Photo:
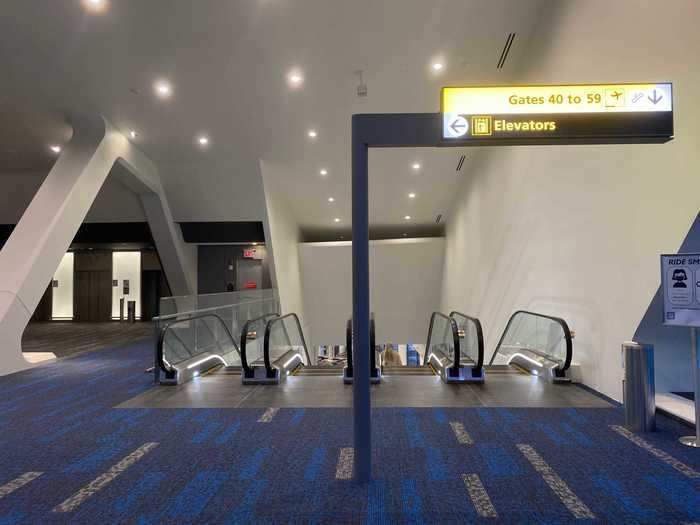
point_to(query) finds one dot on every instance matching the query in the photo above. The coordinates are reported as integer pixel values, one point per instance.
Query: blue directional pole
(362, 424)
(381, 130)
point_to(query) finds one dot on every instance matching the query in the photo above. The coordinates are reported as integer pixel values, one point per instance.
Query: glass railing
(251, 303)
(442, 348)
(285, 346)
(471, 340)
(539, 340)
(252, 343)
(372, 344)
(191, 344)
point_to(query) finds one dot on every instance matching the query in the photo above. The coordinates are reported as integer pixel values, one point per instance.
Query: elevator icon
(482, 126)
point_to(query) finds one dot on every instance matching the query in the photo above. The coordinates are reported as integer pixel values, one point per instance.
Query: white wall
(576, 231)
(282, 237)
(126, 265)
(405, 279)
(62, 295)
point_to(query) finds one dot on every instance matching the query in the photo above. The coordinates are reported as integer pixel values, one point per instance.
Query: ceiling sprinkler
(361, 86)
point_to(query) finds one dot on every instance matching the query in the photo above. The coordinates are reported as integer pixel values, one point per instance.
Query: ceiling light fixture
(295, 79)
(437, 66)
(133, 134)
(95, 6)
(55, 149)
(331, 199)
(411, 195)
(163, 89)
(337, 219)
(203, 140)
(312, 133)
(416, 166)
(407, 218)
(323, 172)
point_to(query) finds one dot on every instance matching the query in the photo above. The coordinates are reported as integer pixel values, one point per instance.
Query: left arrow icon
(458, 126)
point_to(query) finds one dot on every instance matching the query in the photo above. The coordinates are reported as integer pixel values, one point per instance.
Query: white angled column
(44, 233)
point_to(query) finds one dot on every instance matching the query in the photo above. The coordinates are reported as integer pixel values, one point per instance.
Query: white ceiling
(228, 62)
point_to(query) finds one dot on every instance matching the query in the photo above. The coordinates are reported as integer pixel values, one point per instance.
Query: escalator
(455, 348)
(193, 344)
(348, 373)
(280, 353)
(535, 344)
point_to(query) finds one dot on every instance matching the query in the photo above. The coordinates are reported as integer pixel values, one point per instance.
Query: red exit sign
(249, 253)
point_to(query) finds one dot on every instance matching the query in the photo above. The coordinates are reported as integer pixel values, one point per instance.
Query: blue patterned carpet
(69, 457)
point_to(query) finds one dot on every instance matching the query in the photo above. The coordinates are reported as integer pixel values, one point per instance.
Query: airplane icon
(614, 97)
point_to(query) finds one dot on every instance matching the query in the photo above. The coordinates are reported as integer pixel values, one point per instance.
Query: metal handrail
(244, 337)
(455, 339)
(161, 339)
(558, 320)
(268, 328)
(479, 338)
(204, 310)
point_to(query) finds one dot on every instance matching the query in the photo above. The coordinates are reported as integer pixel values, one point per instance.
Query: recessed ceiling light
(337, 219)
(437, 66)
(416, 166)
(95, 6)
(255, 244)
(312, 133)
(323, 172)
(55, 149)
(203, 140)
(407, 218)
(295, 79)
(411, 195)
(133, 134)
(331, 199)
(163, 88)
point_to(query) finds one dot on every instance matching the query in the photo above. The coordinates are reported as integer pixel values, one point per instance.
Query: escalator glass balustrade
(537, 343)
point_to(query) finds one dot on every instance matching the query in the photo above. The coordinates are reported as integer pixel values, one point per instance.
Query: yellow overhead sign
(595, 113)
(594, 98)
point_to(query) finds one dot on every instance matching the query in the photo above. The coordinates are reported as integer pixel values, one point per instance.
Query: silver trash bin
(638, 387)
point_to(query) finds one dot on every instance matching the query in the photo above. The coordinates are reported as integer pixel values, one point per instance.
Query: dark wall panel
(217, 266)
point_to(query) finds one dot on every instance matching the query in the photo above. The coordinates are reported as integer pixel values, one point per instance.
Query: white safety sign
(680, 282)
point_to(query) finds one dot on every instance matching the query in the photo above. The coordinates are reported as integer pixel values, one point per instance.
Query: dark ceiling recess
(460, 163)
(506, 50)
(223, 232)
(101, 233)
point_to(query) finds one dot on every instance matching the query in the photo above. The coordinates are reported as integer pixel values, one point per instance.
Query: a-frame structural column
(44, 233)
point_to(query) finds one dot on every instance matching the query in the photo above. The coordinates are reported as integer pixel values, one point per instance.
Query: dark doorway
(44, 308)
(249, 273)
(152, 289)
(93, 286)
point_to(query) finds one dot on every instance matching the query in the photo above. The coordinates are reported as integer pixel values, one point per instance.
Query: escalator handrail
(479, 338)
(268, 329)
(559, 320)
(244, 337)
(161, 338)
(372, 344)
(455, 340)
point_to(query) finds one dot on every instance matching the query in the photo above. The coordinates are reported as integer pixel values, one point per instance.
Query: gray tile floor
(65, 338)
(222, 390)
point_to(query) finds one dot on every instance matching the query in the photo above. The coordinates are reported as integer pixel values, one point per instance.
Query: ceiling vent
(460, 163)
(438, 218)
(506, 50)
